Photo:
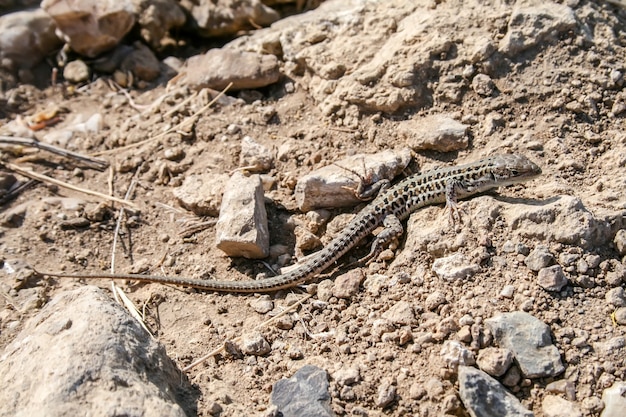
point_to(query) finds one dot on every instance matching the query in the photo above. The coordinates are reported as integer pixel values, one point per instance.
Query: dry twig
(94, 163)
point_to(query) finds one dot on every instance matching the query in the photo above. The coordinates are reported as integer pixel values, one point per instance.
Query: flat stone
(217, 68)
(530, 342)
(483, 396)
(242, 228)
(335, 185)
(304, 394)
(83, 354)
(438, 132)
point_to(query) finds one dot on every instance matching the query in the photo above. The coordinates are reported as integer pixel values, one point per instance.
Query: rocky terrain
(519, 309)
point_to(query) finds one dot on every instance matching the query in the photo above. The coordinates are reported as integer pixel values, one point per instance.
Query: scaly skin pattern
(441, 185)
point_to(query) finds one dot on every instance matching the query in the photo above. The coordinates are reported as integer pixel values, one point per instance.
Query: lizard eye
(514, 172)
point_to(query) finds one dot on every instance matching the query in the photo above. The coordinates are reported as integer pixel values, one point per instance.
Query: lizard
(392, 205)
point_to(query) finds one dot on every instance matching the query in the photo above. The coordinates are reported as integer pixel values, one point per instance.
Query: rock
(323, 49)
(563, 386)
(610, 347)
(142, 62)
(530, 342)
(555, 406)
(348, 284)
(27, 37)
(336, 185)
(620, 241)
(386, 393)
(454, 267)
(616, 297)
(304, 394)
(156, 18)
(102, 363)
(242, 228)
(483, 85)
(347, 376)
(536, 24)
(614, 399)
(564, 219)
(202, 193)
(217, 68)
(75, 223)
(76, 71)
(438, 132)
(255, 344)
(380, 327)
(512, 377)
(539, 258)
(91, 27)
(227, 17)
(14, 216)
(262, 304)
(454, 354)
(255, 157)
(401, 314)
(483, 396)
(494, 361)
(552, 278)
(434, 300)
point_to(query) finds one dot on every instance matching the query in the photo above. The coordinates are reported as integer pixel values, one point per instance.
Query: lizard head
(512, 169)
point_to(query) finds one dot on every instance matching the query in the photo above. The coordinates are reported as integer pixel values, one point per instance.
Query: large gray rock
(483, 396)
(530, 341)
(83, 354)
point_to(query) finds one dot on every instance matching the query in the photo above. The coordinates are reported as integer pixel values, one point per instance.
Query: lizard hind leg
(393, 230)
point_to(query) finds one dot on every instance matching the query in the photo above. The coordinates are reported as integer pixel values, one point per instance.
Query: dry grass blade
(34, 175)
